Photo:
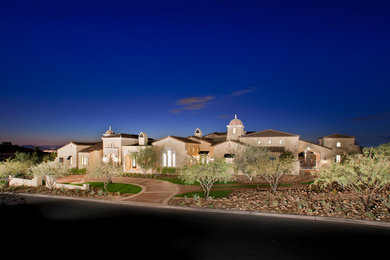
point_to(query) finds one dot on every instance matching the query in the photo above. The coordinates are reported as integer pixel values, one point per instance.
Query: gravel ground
(300, 201)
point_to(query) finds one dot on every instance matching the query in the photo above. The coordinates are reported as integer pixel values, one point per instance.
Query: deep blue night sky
(69, 69)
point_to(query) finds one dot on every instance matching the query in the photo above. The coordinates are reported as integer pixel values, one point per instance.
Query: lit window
(280, 142)
(234, 130)
(133, 163)
(269, 141)
(169, 158)
(338, 144)
(259, 142)
(165, 159)
(338, 158)
(84, 161)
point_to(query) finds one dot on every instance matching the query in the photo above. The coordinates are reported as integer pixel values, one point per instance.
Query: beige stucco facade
(177, 151)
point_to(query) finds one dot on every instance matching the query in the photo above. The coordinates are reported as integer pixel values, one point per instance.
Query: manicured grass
(214, 193)
(307, 183)
(179, 181)
(115, 187)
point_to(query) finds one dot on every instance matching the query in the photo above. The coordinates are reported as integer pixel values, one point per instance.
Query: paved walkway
(153, 191)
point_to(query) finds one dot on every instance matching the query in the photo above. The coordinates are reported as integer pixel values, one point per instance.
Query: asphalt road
(56, 227)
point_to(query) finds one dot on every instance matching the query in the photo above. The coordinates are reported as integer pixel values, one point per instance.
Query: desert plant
(12, 168)
(246, 158)
(147, 157)
(363, 174)
(207, 174)
(105, 171)
(272, 168)
(51, 170)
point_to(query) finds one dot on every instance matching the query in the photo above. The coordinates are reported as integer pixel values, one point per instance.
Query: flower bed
(300, 201)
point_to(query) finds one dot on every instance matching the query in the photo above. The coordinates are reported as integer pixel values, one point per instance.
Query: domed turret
(235, 129)
(236, 121)
(109, 132)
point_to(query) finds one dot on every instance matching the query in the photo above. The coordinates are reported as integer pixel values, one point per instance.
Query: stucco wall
(347, 145)
(225, 148)
(289, 143)
(177, 146)
(70, 149)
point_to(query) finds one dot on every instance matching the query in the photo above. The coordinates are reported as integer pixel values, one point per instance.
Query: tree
(105, 171)
(207, 174)
(245, 159)
(50, 171)
(27, 157)
(272, 168)
(12, 168)
(147, 158)
(363, 174)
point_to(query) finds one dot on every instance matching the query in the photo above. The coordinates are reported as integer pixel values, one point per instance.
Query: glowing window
(338, 144)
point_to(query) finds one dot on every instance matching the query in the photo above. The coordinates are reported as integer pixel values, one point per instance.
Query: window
(169, 159)
(164, 159)
(133, 163)
(234, 130)
(280, 142)
(338, 144)
(269, 142)
(84, 161)
(61, 159)
(259, 142)
(338, 158)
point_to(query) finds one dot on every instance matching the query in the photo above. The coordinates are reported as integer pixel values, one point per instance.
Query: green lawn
(179, 181)
(214, 193)
(115, 187)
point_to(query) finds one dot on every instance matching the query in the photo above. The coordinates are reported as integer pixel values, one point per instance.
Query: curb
(219, 211)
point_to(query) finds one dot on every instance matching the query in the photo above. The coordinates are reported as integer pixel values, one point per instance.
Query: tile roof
(179, 138)
(208, 140)
(270, 133)
(96, 147)
(184, 139)
(338, 136)
(85, 143)
(122, 135)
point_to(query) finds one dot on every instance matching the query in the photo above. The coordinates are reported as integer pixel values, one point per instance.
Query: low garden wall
(35, 182)
(50, 183)
(71, 186)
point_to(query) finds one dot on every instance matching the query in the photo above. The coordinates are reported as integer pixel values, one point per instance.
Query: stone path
(153, 191)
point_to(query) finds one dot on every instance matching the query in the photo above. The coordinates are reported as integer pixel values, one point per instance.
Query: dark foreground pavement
(52, 227)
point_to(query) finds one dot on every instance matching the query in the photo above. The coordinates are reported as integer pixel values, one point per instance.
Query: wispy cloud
(379, 116)
(191, 103)
(242, 92)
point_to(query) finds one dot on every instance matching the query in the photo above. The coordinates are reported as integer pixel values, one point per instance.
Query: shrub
(78, 171)
(168, 170)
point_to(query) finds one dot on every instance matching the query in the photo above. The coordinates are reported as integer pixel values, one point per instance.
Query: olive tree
(105, 171)
(272, 167)
(147, 158)
(246, 158)
(12, 168)
(363, 174)
(207, 174)
(50, 171)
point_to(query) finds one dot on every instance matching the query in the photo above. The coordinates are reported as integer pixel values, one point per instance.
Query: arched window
(169, 158)
(164, 159)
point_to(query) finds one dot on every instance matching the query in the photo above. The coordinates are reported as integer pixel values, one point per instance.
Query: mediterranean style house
(176, 151)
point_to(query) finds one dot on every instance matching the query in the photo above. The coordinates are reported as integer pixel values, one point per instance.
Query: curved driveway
(153, 191)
